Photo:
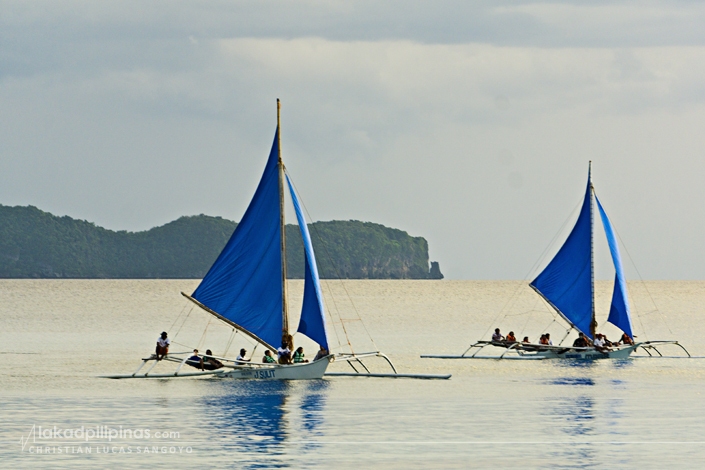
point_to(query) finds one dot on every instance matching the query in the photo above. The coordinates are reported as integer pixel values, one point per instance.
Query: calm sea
(57, 336)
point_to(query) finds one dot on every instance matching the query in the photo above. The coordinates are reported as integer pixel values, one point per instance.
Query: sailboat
(246, 288)
(567, 285)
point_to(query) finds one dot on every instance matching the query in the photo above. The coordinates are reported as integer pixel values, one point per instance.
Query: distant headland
(37, 244)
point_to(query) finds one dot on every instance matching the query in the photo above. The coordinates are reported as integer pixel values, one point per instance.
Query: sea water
(56, 336)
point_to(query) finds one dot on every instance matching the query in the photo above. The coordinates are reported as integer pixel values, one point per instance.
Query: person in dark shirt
(211, 363)
(626, 339)
(195, 360)
(323, 352)
(580, 341)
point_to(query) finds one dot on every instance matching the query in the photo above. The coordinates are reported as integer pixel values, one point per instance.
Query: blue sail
(619, 310)
(313, 319)
(244, 283)
(567, 280)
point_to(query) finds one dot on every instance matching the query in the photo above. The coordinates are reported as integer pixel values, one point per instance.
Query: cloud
(470, 124)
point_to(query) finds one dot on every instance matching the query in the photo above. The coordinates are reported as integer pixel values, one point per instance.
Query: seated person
(299, 356)
(241, 357)
(525, 340)
(543, 340)
(211, 363)
(580, 341)
(323, 352)
(511, 338)
(497, 336)
(600, 343)
(625, 339)
(268, 359)
(284, 353)
(195, 360)
(548, 339)
(162, 346)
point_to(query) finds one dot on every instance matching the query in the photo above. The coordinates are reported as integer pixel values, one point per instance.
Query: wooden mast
(593, 322)
(282, 221)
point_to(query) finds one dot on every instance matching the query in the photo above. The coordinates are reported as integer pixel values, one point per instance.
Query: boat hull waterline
(560, 352)
(305, 371)
(553, 353)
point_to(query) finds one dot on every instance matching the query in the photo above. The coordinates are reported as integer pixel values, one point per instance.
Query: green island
(37, 244)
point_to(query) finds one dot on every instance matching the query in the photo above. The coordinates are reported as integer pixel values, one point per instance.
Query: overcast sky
(468, 123)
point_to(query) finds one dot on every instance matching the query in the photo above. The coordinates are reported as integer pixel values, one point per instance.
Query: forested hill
(36, 244)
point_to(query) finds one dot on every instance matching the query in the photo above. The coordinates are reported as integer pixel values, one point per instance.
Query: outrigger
(529, 351)
(246, 288)
(233, 369)
(567, 285)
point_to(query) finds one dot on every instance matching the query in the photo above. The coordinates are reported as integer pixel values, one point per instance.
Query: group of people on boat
(285, 355)
(601, 343)
(208, 362)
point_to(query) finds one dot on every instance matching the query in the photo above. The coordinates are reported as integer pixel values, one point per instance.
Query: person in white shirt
(497, 336)
(162, 346)
(599, 343)
(241, 357)
(284, 354)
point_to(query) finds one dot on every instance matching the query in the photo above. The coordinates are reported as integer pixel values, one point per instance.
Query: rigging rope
(641, 279)
(335, 330)
(337, 273)
(230, 341)
(203, 337)
(183, 309)
(184, 322)
(500, 317)
(330, 292)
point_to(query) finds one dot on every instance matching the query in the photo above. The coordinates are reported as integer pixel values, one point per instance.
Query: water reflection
(266, 418)
(576, 364)
(586, 407)
(572, 381)
(573, 412)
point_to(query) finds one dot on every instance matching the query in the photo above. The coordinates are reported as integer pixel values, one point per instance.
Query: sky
(468, 123)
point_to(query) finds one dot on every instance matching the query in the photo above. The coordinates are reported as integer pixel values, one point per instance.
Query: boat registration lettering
(264, 374)
(586, 356)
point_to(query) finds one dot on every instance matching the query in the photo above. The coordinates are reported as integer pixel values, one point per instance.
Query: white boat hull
(553, 352)
(306, 371)
(590, 354)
